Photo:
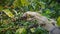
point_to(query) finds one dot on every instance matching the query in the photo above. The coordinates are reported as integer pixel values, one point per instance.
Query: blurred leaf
(1, 8)
(32, 30)
(48, 11)
(42, 5)
(21, 31)
(7, 11)
(58, 21)
(40, 30)
(24, 2)
(8, 32)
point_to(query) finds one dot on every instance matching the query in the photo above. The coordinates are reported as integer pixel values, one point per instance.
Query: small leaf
(21, 31)
(1, 7)
(24, 2)
(48, 11)
(58, 21)
(32, 29)
(7, 12)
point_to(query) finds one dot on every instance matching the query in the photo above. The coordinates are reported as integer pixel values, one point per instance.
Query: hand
(42, 20)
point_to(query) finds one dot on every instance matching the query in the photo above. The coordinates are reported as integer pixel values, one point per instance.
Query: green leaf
(1, 8)
(32, 29)
(21, 31)
(24, 2)
(58, 21)
(7, 12)
(8, 32)
(48, 11)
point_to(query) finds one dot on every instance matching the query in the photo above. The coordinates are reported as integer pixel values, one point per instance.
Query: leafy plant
(14, 9)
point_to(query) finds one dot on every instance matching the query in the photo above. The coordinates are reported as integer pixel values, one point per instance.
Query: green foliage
(58, 21)
(8, 13)
(6, 2)
(21, 31)
(16, 8)
(1, 7)
(40, 30)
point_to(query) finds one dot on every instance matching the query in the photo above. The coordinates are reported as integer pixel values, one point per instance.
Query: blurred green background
(14, 9)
